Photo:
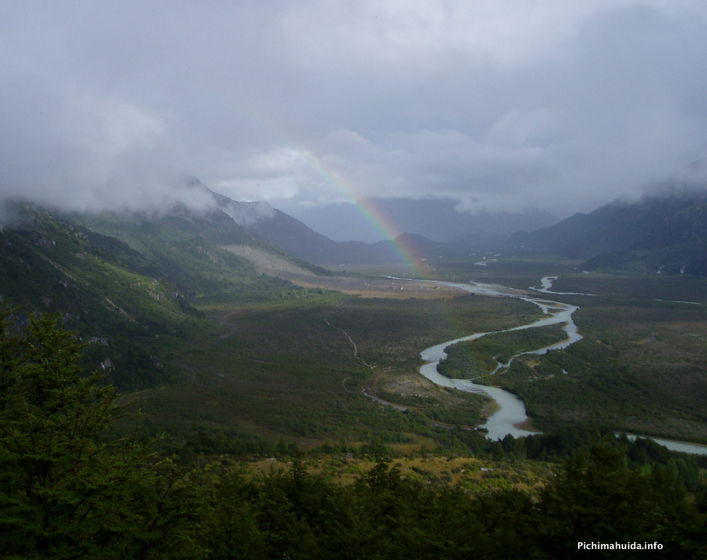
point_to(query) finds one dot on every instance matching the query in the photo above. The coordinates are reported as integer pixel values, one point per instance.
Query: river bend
(511, 415)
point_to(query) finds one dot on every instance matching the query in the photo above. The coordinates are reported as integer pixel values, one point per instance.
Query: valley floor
(322, 365)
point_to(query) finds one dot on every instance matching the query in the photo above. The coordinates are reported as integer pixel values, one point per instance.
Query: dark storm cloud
(497, 105)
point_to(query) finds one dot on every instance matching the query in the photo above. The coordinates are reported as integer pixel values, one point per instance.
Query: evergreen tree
(63, 492)
(597, 498)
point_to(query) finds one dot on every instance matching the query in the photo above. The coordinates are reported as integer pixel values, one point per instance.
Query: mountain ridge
(126, 280)
(662, 232)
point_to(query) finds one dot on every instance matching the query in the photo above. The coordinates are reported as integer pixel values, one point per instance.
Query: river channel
(511, 415)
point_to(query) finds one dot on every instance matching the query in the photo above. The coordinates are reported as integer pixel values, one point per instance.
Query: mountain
(258, 224)
(293, 236)
(435, 218)
(296, 238)
(126, 282)
(231, 222)
(663, 233)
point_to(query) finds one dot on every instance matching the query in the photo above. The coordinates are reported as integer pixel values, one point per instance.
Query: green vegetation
(448, 406)
(288, 367)
(178, 250)
(68, 492)
(238, 373)
(213, 345)
(134, 302)
(478, 358)
(65, 493)
(598, 389)
(641, 366)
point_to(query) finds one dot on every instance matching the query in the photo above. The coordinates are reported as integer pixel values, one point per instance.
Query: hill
(294, 237)
(126, 282)
(664, 233)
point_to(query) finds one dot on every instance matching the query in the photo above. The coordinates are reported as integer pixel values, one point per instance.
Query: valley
(291, 368)
(610, 379)
(210, 330)
(353, 280)
(254, 371)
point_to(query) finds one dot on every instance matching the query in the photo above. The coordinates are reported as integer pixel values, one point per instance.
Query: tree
(63, 492)
(597, 498)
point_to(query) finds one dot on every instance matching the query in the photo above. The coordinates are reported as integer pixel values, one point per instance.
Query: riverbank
(511, 415)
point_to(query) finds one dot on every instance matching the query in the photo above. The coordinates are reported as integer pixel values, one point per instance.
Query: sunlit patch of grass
(470, 473)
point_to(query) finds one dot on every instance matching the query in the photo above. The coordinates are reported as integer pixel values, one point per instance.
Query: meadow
(642, 365)
(305, 366)
(290, 368)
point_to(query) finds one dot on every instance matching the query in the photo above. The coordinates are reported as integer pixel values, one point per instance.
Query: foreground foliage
(65, 493)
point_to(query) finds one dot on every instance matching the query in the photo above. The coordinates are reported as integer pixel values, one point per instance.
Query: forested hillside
(68, 492)
(126, 282)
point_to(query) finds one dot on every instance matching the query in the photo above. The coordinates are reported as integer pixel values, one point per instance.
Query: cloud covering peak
(498, 106)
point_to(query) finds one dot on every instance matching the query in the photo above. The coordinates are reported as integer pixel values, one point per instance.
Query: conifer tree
(63, 492)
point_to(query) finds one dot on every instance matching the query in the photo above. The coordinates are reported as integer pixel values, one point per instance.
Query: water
(546, 288)
(511, 412)
(511, 409)
(673, 445)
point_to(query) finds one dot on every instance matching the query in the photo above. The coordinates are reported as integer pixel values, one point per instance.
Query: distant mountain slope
(257, 224)
(435, 218)
(49, 265)
(666, 233)
(125, 281)
(296, 238)
(293, 236)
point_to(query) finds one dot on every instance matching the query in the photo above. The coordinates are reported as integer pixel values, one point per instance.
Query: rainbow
(365, 207)
(379, 221)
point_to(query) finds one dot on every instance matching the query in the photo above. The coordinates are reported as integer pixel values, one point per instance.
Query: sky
(496, 105)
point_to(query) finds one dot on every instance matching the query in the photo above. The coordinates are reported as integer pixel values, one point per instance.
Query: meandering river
(511, 415)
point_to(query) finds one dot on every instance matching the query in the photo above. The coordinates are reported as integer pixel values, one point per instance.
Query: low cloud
(496, 106)
(248, 214)
(75, 150)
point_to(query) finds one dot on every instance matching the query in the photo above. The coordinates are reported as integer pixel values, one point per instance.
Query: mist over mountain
(496, 108)
(437, 219)
(282, 230)
(664, 232)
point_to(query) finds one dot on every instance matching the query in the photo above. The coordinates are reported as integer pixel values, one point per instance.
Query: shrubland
(70, 491)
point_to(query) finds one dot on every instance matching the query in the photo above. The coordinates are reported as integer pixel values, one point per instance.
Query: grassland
(480, 357)
(291, 368)
(642, 365)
